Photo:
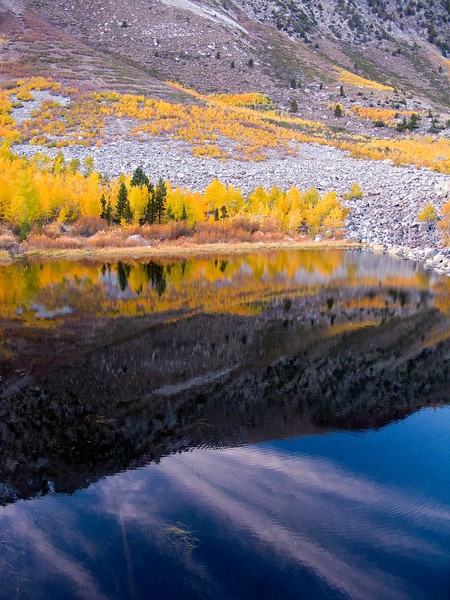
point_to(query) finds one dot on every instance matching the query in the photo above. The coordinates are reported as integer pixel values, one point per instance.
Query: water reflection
(274, 359)
(143, 371)
(259, 521)
(216, 285)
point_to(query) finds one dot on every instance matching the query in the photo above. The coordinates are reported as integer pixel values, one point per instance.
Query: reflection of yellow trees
(441, 291)
(216, 285)
(227, 284)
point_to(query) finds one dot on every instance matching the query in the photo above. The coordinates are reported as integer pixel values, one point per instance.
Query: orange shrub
(107, 239)
(42, 242)
(87, 226)
(172, 230)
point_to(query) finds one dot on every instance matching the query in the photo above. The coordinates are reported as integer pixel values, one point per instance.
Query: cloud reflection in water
(299, 512)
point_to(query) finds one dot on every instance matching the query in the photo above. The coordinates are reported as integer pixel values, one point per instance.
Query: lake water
(266, 426)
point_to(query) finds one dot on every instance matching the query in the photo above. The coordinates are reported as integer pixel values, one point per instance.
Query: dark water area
(273, 425)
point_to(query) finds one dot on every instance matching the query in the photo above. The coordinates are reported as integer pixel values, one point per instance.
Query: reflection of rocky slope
(301, 365)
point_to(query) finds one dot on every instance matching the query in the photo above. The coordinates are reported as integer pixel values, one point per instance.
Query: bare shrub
(207, 237)
(269, 225)
(4, 230)
(6, 241)
(239, 234)
(271, 236)
(133, 229)
(53, 230)
(210, 232)
(245, 224)
(238, 230)
(42, 242)
(172, 230)
(89, 225)
(107, 239)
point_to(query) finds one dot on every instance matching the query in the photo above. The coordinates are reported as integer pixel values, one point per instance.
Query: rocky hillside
(358, 22)
(287, 49)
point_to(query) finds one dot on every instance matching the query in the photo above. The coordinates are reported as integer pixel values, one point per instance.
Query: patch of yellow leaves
(361, 82)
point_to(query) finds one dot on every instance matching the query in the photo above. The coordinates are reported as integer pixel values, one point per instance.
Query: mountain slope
(264, 45)
(293, 51)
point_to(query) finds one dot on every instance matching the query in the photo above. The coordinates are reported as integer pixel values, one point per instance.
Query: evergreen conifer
(139, 178)
(123, 208)
(160, 196)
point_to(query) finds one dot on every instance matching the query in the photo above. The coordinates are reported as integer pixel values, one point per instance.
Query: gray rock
(137, 240)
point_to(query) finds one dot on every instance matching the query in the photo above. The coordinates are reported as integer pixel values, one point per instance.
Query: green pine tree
(103, 205)
(183, 213)
(139, 178)
(160, 199)
(108, 212)
(123, 208)
(127, 214)
(150, 209)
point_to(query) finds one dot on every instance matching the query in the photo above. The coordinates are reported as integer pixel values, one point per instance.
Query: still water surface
(263, 426)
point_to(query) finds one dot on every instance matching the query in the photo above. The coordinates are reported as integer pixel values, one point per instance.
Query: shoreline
(429, 258)
(174, 250)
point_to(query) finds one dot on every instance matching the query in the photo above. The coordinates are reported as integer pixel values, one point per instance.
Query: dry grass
(182, 249)
(6, 241)
(168, 231)
(39, 241)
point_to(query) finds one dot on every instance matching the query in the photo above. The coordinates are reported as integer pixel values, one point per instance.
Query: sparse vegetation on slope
(215, 127)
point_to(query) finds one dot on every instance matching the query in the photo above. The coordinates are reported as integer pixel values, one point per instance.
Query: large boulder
(137, 240)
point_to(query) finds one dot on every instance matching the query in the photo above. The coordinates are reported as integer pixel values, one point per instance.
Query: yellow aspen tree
(138, 198)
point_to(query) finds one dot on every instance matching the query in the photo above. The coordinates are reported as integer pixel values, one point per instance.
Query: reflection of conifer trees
(155, 275)
(123, 272)
(106, 269)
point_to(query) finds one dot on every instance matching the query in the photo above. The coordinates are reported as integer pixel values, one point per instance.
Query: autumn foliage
(220, 126)
(38, 192)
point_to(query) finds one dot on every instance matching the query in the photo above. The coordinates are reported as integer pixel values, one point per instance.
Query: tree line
(155, 205)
